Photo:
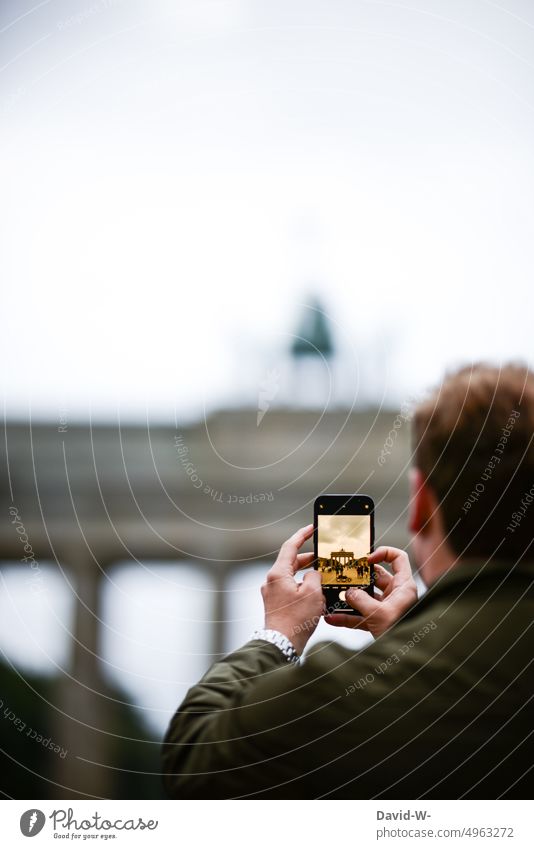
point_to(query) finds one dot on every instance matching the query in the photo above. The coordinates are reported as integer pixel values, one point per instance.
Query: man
(440, 704)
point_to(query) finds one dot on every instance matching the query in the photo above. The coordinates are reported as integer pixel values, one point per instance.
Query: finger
(286, 562)
(383, 579)
(305, 560)
(290, 547)
(346, 620)
(312, 580)
(398, 558)
(384, 553)
(362, 601)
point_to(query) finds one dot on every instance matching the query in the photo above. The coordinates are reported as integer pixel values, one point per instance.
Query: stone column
(220, 610)
(81, 706)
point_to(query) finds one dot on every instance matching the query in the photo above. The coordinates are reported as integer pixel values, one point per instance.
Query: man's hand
(291, 608)
(399, 592)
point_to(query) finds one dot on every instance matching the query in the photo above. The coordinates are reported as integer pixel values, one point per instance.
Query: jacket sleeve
(256, 725)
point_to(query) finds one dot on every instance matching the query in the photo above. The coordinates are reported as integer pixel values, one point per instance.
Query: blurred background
(239, 240)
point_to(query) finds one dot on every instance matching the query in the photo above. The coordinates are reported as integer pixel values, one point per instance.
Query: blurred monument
(221, 493)
(312, 351)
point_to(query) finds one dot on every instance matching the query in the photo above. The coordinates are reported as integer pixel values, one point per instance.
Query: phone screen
(343, 543)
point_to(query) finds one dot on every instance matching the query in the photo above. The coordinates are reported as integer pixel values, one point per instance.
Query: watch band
(279, 640)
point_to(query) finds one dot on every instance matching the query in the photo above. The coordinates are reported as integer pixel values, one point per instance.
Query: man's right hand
(399, 592)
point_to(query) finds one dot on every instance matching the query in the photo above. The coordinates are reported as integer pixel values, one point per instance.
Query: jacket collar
(470, 571)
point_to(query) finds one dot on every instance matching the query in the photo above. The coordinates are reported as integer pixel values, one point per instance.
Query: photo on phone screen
(343, 537)
(343, 543)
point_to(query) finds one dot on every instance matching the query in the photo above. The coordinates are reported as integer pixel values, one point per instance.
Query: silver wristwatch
(279, 640)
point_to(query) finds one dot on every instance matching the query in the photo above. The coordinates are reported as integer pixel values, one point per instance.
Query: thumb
(312, 579)
(361, 601)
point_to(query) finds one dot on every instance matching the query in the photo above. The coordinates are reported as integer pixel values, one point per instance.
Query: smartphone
(344, 534)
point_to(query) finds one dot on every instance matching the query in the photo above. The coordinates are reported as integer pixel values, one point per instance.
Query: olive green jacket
(438, 707)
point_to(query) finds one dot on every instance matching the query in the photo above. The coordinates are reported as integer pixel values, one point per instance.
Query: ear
(422, 503)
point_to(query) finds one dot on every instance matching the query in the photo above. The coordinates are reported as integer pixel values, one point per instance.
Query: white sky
(176, 177)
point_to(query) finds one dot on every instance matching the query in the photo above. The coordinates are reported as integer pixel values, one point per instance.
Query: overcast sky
(176, 177)
(348, 532)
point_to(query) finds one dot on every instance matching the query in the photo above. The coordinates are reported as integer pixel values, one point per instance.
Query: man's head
(473, 447)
